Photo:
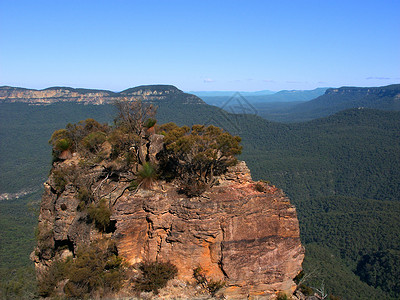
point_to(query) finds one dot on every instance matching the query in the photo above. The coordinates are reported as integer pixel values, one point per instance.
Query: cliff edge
(240, 233)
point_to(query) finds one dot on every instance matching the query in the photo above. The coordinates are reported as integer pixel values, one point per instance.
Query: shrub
(200, 152)
(192, 188)
(100, 214)
(282, 296)
(93, 141)
(133, 114)
(63, 144)
(306, 290)
(96, 268)
(85, 196)
(72, 137)
(130, 158)
(147, 175)
(155, 275)
(58, 135)
(260, 187)
(63, 175)
(212, 286)
(60, 180)
(48, 280)
(150, 123)
(45, 240)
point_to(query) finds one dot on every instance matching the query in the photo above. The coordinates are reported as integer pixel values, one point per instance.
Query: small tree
(134, 114)
(134, 117)
(100, 214)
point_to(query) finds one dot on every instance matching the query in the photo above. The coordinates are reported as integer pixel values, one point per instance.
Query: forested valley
(342, 173)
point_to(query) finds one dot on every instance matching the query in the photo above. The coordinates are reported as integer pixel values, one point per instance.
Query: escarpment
(151, 93)
(241, 234)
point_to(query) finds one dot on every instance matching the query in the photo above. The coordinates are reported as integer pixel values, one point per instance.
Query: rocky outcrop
(242, 232)
(234, 232)
(152, 93)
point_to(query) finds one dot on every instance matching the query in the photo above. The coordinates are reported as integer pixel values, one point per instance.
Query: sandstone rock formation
(240, 231)
(152, 93)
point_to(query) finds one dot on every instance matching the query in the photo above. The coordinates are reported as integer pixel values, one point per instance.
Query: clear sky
(199, 45)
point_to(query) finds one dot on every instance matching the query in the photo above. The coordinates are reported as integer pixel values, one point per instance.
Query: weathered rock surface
(235, 232)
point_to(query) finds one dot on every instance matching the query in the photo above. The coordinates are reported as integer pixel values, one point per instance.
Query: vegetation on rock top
(189, 156)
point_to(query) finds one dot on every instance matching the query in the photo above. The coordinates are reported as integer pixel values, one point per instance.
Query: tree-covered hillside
(335, 100)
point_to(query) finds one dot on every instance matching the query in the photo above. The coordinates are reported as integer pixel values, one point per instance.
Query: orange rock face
(234, 233)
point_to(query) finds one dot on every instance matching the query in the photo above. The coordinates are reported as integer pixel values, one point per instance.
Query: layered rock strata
(242, 232)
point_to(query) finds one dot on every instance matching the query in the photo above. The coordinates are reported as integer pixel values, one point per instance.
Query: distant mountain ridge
(92, 96)
(262, 99)
(338, 99)
(284, 106)
(230, 93)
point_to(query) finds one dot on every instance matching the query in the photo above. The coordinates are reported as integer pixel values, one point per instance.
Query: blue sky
(199, 45)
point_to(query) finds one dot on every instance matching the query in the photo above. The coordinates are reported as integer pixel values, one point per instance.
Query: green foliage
(197, 154)
(282, 296)
(95, 269)
(48, 280)
(122, 140)
(155, 276)
(85, 196)
(352, 227)
(85, 135)
(59, 135)
(18, 283)
(63, 144)
(150, 123)
(381, 269)
(93, 141)
(322, 265)
(18, 219)
(63, 175)
(299, 277)
(147, 175)
(100, 214)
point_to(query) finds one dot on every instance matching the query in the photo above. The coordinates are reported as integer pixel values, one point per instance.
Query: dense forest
(342, 173)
